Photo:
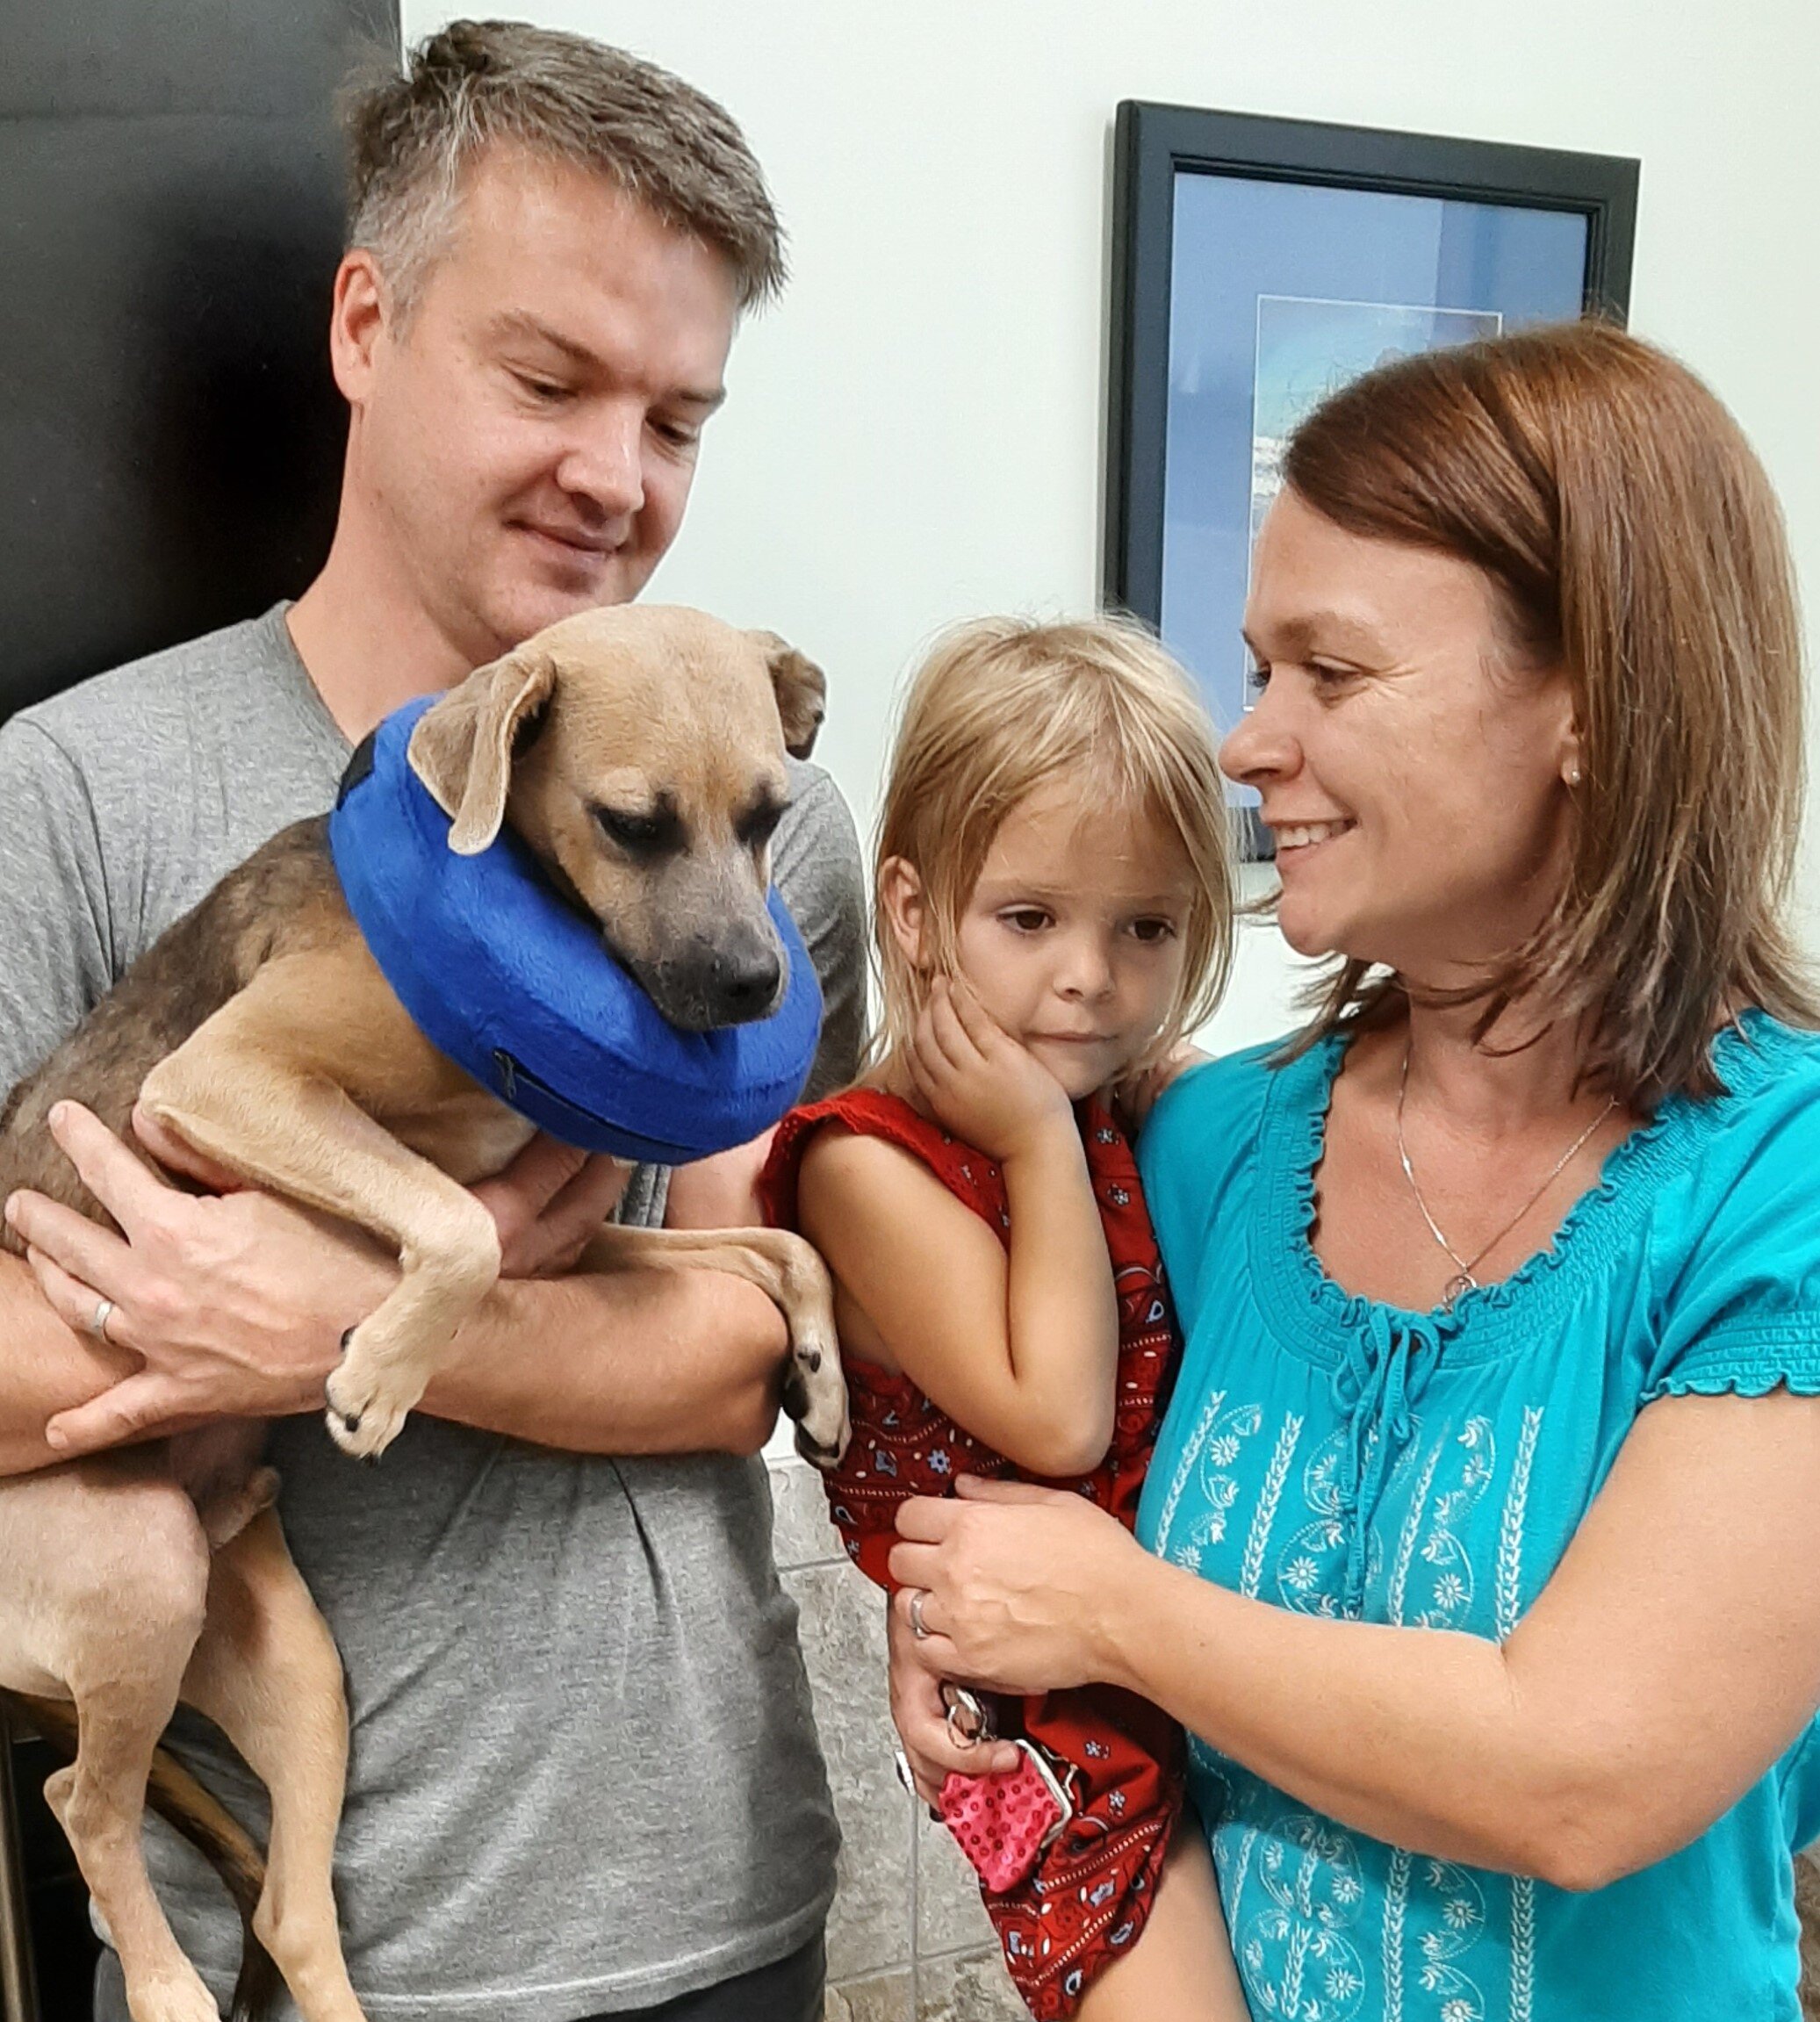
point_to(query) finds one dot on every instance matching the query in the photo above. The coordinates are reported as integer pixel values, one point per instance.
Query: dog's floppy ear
(462, 747)
(797, 683)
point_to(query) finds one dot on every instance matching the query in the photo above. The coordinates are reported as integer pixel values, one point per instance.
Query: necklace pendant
(1460, 1282)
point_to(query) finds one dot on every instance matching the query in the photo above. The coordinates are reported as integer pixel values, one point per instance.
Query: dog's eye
(760, 823)
(641, 834)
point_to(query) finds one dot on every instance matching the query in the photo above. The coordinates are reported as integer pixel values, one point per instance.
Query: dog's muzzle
(734, 981)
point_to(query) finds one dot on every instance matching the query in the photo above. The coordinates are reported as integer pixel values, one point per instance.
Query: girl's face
(1072, 935)
(1415, 780)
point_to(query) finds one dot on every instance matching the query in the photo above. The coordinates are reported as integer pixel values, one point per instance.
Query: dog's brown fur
(285, 894)
(261, 1031)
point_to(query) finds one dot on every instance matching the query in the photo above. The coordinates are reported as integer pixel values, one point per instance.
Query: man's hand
(721, 1191)
(980, 1083)
(548, 1203)
(235, 1303)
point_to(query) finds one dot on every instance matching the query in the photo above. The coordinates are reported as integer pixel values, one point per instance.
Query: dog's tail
(187, 1808)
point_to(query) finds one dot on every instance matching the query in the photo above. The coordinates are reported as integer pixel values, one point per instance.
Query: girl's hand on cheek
(979, 1082)
(1020, 1582)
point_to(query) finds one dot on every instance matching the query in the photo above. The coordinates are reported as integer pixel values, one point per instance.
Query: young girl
(1053, 914)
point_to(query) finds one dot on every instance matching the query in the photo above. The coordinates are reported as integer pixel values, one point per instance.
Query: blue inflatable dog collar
(515, 986)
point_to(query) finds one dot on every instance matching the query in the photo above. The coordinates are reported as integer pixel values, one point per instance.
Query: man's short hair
(477, 84)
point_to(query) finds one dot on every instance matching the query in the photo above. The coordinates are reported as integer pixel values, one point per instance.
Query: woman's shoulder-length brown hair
(1638, 548)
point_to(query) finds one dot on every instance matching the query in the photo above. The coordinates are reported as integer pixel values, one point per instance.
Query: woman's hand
(921, 1716)
(1017, 1581)
(978, 1082)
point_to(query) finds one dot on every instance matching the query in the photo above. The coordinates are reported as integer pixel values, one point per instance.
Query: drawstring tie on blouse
(1384, 1370)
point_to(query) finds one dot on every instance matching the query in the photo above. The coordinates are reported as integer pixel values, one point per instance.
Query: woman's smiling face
(1412, 770)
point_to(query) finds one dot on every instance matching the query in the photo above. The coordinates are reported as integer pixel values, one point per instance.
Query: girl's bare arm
(1018, 1346)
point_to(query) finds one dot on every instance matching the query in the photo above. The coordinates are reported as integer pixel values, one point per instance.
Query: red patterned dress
(1090, 1893)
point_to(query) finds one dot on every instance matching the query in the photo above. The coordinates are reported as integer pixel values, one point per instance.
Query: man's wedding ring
(919, 1628)
(98, 1319)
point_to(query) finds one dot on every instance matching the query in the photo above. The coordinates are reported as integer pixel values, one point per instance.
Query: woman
(1485, 1518)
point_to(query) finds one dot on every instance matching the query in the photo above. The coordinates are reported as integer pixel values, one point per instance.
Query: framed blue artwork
(1258, 265)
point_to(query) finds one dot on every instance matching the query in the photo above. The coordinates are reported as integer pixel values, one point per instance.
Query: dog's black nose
(727, 979)
(748, 988)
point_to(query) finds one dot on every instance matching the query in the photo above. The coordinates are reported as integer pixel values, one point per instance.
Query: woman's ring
(919, 1628)
(98, 1319)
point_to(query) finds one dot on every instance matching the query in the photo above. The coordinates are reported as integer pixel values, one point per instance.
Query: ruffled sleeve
(1738, 1243)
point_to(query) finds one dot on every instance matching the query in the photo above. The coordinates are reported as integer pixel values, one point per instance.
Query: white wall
(914, 434)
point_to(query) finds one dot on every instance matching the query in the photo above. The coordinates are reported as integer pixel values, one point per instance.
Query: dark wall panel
(170, 216)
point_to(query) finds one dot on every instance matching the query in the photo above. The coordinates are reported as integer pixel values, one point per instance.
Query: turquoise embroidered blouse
(1331, 1455)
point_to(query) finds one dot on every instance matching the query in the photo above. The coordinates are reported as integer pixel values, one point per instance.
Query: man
(585, 1778)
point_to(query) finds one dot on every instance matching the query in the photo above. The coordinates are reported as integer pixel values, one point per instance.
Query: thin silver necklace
(1462, 1279)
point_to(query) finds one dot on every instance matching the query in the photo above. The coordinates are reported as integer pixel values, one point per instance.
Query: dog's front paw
(363, 1429)
(365, 1415)
(816, 1396)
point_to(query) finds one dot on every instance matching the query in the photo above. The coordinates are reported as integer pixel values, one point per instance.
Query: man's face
(523, 443)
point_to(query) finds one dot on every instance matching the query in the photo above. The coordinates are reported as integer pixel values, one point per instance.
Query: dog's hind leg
(791, 1273)
(106, 1587)
(266, 1672)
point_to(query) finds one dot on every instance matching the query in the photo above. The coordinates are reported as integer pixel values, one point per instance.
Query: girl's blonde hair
(1003, 706)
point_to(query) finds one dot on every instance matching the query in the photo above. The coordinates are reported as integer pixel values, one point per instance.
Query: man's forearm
(637, 1361)
(45, 1367)
(633, 1361)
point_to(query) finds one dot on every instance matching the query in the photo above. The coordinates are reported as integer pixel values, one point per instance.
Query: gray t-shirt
(585, 1774)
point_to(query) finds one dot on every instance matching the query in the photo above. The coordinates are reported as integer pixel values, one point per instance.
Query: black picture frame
(1154, 145)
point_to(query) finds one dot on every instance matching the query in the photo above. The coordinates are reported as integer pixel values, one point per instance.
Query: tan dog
(639, 754)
